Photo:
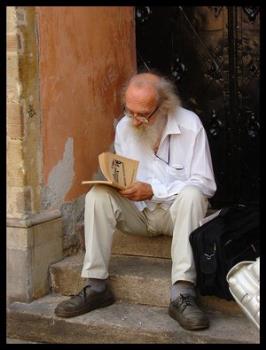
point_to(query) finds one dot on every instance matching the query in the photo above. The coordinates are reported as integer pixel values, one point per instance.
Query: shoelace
(81, 294)
(183, 301)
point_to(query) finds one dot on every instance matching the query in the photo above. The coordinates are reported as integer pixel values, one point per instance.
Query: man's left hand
(139, 191)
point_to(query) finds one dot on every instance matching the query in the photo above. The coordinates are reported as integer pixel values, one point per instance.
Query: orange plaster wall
(86, 53)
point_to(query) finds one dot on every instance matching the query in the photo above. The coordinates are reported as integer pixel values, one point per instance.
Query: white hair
(166, 89)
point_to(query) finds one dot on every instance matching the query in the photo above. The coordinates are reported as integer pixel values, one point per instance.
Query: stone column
(34, 236)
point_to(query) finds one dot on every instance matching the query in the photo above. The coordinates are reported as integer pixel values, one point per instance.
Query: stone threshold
(120, 323)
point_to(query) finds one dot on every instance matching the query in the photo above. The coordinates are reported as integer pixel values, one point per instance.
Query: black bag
(219, 244)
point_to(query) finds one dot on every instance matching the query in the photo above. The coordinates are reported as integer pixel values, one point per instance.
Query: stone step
(20, 341)
(141, 280)
(129, 244)
(126, 244)
(119, 323)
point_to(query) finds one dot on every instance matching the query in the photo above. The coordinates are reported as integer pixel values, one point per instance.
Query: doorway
(212, 54)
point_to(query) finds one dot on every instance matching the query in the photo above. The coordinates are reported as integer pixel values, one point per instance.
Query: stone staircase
(140, 270)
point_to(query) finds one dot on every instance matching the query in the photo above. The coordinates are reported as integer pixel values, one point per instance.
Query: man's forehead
(144, 92)
(140, 103)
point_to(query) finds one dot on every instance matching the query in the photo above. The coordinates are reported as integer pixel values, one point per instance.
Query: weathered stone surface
(47, 232)
(16, 199)
(19, 238)
(133, 279)
(11, 42)
(15, 123)
(65, 275)
(19, 275)
(20, 341)
(12, 77)
(30, 251)
(11, 18)
(119, 323)
(15, 163)
(47, 248)
(140, 245)
(141, 280)
(127, 244)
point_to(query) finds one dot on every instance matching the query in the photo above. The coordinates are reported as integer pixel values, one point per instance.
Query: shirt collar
(172, 126)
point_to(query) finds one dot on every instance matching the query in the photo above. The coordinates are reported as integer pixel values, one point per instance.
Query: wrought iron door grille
(212, 54)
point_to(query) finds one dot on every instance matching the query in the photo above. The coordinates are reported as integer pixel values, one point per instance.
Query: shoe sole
(107, 302)
(184, 324)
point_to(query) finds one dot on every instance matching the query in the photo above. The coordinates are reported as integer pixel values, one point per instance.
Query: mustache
(148, 134)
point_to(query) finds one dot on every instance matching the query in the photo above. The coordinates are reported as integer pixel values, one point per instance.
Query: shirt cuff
(158, 189)
(162, 193)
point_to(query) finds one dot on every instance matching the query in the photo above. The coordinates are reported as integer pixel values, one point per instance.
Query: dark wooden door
(212, 53)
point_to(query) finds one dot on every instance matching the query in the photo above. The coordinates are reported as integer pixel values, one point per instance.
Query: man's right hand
(139, 191)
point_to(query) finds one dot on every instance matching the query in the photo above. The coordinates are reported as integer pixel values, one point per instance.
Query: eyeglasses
(139, 116)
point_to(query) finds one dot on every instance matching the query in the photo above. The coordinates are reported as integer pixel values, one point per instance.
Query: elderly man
(174, 181)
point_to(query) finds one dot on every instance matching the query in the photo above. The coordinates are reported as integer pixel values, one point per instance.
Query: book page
(102, 182)
(118, 169)
(120, 172)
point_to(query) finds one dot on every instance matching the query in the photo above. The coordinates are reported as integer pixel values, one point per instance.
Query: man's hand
(139, 191)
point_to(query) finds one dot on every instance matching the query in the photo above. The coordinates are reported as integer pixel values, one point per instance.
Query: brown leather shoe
(187, 313)
(86, 300)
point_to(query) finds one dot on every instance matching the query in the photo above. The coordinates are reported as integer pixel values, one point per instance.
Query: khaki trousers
(106, 211)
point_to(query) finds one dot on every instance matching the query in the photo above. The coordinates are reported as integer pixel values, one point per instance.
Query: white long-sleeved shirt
(183, 158)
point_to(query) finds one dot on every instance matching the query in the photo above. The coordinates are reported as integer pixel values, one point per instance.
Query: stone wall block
(19, 238)
(30, 252)
(13, 88)
(18, 275)
(11, 19)
(47, 249)
(11, 42)
(15, 125)
(18, 199)
(15, 169)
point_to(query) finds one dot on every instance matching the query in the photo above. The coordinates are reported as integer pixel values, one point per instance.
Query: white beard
(150, 135)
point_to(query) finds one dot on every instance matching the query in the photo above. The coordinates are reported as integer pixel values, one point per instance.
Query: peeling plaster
(60, 179)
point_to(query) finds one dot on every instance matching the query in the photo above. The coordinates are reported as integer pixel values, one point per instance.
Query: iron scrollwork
(143, 14)
(252, 12)
(213, 71)
(178, 69)
(216, 70)
(217, 10)
(252, 124)
(215, 125)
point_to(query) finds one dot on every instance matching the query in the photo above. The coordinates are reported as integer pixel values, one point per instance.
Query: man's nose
(136, 122)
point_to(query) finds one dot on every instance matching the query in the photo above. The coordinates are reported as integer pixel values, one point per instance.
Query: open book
(120, 172)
